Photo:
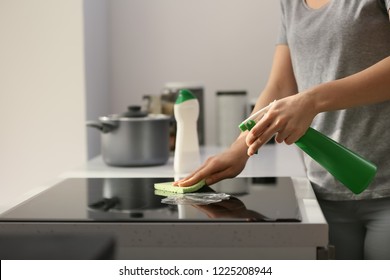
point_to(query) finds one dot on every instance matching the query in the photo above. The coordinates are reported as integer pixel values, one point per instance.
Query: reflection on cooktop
(134, 200)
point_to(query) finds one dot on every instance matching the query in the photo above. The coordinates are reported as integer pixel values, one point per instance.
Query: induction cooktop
(135, 200)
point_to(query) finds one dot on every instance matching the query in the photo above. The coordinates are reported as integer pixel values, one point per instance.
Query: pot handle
(103, 127)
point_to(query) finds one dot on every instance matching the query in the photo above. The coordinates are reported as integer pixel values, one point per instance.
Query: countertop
(211, 240)
(273, 160)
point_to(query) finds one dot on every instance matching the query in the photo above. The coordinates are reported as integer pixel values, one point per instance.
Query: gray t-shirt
(339, 39)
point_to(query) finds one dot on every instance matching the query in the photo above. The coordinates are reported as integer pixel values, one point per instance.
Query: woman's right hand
(227, 164)
(231, 162)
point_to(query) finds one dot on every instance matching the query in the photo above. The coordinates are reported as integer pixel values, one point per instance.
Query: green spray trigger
(250, 124)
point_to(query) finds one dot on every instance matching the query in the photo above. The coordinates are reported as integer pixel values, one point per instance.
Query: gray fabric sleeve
(282, 37)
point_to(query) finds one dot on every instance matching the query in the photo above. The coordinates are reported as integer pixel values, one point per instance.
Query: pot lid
(134, 111)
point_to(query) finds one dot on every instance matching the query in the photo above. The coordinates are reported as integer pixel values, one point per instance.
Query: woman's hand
(227, 164)
(231, 208)
(287, 118)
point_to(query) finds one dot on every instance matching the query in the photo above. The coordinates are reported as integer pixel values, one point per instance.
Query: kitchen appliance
(134, 200)
(134, 138)
(57, 247)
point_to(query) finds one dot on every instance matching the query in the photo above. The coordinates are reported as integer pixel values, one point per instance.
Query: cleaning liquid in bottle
(186, 111)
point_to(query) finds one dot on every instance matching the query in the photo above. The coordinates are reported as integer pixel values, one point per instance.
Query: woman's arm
(281, 82)
(290, 117)
(231, 162)
(369, 86)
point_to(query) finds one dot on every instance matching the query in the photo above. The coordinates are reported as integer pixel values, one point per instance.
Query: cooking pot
(134, 138)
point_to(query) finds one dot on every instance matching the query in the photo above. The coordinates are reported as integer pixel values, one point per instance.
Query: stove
(255, 200)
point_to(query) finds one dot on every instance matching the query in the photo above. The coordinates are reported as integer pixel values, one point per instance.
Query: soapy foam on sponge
(169, 187)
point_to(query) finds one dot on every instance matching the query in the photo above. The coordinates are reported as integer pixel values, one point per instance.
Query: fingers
(214, 170)
(294, 137)
(282, 135)
(205, 171)
(191, 179)
(278, 121)
(288, 119)
(264, 130)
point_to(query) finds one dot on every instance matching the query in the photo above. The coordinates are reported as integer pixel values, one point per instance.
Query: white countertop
(271, 161)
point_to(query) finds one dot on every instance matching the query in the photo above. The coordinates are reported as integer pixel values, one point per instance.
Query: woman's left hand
(287, 119)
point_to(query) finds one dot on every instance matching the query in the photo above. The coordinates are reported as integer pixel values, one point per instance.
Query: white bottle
(186, 111)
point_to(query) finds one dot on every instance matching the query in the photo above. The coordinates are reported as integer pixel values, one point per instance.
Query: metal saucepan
(134, 138)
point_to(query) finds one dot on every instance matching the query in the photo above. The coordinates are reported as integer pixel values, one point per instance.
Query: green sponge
(168, 187)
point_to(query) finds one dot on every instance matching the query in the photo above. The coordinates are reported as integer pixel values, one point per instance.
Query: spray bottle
(355, 172)
(186, 111)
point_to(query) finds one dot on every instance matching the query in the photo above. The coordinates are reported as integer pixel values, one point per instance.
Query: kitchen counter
(307, 239)
(271, 161)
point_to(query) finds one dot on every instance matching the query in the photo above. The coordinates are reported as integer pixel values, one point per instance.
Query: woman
(331, 71)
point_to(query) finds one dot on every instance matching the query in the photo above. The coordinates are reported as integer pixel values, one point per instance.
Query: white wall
(96, 68)
(42, 101)
(225, 44)
(132, 47)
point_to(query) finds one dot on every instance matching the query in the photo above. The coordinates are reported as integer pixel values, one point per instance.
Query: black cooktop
(135, 200)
